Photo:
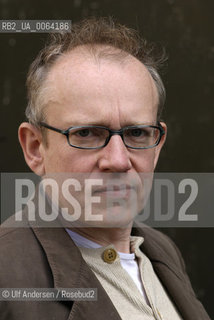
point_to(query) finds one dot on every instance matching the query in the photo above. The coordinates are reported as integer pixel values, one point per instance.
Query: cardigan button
(109, 255)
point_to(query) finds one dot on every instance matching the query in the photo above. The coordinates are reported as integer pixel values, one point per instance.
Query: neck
(119, 237)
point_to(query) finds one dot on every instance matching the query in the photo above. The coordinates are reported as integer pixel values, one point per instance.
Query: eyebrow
(104, 124)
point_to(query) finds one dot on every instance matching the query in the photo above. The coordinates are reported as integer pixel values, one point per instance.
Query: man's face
(108, 93)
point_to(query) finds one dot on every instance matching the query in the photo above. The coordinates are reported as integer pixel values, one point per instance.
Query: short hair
(94, 33)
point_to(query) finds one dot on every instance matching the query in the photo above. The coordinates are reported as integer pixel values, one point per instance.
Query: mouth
(117, 191)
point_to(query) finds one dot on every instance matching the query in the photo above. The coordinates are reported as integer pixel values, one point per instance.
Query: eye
(83, 132)
(86, 132)
(137, 132)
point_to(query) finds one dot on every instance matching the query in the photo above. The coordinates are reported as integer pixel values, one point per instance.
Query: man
(99, 87)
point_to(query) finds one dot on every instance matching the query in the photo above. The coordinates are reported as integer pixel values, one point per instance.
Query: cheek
(144, 160)
(70, 160)
(80, 163)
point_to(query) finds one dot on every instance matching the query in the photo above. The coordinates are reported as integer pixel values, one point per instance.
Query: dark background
(185, 28)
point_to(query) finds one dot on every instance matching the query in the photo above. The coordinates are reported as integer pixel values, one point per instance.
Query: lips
(113, 188)
(122, 190)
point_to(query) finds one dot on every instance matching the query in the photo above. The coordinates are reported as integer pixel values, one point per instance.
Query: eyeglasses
(96, 137)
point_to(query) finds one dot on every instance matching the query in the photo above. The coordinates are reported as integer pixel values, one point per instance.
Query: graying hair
(93, 33)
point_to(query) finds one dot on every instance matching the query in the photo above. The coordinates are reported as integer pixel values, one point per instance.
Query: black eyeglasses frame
(111, 133)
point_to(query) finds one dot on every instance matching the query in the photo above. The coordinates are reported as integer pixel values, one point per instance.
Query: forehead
(85, 88)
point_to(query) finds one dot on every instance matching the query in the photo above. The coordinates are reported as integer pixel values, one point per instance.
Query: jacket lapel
(70, 271)
(167, 265)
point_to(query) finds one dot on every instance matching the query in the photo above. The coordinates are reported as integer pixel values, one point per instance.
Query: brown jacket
(47, 257)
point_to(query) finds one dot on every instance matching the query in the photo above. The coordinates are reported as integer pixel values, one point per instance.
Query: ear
(30, 139)
(160, 145)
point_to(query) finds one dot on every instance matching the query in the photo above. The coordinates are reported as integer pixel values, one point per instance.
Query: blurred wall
(185, 28)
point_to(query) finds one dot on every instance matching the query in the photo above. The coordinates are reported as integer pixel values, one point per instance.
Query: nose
(115, 156)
